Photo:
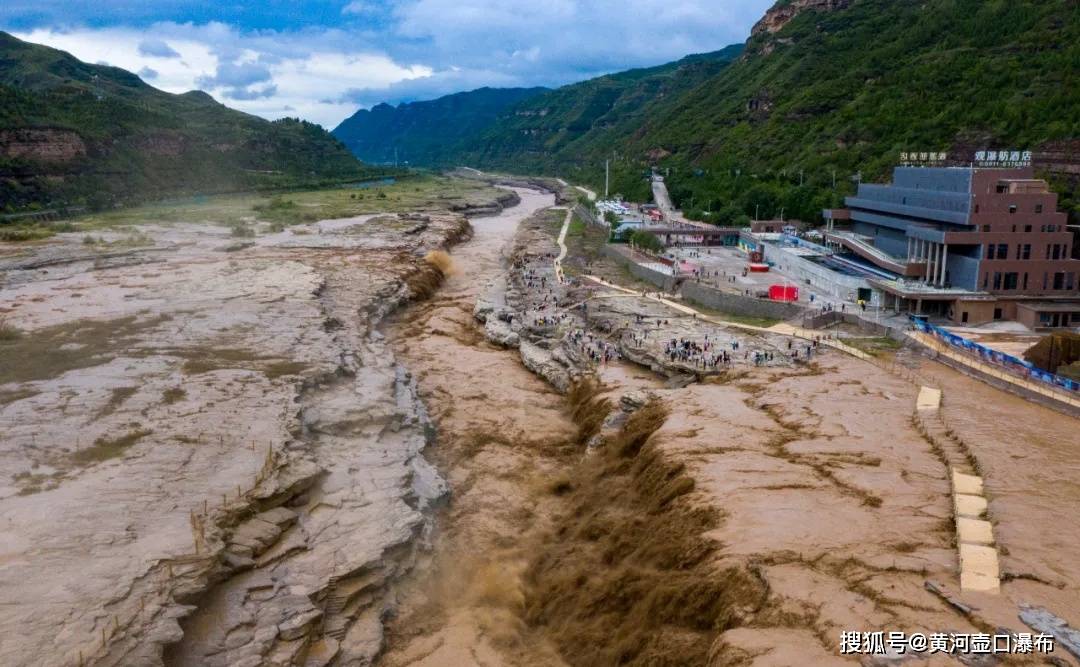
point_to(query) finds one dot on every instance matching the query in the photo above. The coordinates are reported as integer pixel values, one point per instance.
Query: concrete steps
(978, 555)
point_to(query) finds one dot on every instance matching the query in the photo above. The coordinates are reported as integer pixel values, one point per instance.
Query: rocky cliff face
(42, 145)
(245, 494)
(781, 14)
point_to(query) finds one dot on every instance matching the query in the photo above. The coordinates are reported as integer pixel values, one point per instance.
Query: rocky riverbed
(209, 454)
(400, 439)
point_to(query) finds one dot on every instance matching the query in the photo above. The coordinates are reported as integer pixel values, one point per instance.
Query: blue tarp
(1019, 365)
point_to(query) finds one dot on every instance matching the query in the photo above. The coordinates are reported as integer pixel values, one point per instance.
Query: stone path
(586, 191)
(782, 328)
(979, 569)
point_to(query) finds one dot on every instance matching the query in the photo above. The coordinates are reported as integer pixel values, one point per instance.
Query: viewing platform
(863, 248)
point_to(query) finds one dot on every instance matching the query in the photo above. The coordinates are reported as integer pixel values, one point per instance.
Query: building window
(976, 208)
(1027, 228)
(1002, 188)
(997, 280)
(1010, 280)
(986, 280)
(1059, 280)
(1069, 281)
(1012, 208)
(1014, 229)
(986, 228)
(1026, 251)
(1044, 281)
(997, 313)
(1003, 251)
(1025, 280)
(990, 247)
(1038, 208)
(1057, 252)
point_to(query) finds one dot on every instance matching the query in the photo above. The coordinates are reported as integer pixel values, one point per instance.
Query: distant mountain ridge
(483, 123)
(429, 132)
(72, 134)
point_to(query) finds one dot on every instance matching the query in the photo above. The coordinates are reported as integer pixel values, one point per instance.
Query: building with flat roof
(969, 244)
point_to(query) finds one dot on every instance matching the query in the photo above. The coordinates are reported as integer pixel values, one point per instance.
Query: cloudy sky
(323, 59)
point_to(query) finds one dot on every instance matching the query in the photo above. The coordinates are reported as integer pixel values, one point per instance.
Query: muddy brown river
(809, 503)
(501, 433)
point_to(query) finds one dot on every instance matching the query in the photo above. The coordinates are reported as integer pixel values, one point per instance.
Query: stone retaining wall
(806, 272)
(661, 280)
(822, 320)
(737, 304)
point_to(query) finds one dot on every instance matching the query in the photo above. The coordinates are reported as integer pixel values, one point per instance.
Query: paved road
(588, 193)
(663, 200)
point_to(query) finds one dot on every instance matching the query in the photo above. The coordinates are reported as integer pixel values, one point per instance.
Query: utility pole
(757, 210)
(607, 176)
(833, 179)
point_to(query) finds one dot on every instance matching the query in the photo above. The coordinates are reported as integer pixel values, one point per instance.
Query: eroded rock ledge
(272, 483)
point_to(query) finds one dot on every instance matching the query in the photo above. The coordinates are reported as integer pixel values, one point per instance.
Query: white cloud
(157, 48)
(410, 49)
(267, 75)
(568, 36)
(359, 7)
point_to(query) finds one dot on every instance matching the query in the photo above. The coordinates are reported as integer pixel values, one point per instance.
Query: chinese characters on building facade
(992, 159)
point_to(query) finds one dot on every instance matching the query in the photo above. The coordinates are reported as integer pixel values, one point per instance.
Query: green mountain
(496, 127)
(72, 133)
(426, 133)
(836, 87)
(823, 90)
(592, 118)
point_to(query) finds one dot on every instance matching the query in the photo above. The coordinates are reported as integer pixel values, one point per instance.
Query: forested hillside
(824, 90)
(845, 90)
(75, 134)
(523, 128)
(426, 133)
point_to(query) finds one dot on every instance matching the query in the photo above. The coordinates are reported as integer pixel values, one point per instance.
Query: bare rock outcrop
(208, 484)
(783, 12)
(41, 144)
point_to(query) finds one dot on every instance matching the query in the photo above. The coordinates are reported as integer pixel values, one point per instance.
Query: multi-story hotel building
(969, 244)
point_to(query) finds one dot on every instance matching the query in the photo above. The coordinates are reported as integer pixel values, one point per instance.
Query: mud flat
(660, 512)
(208, 456)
